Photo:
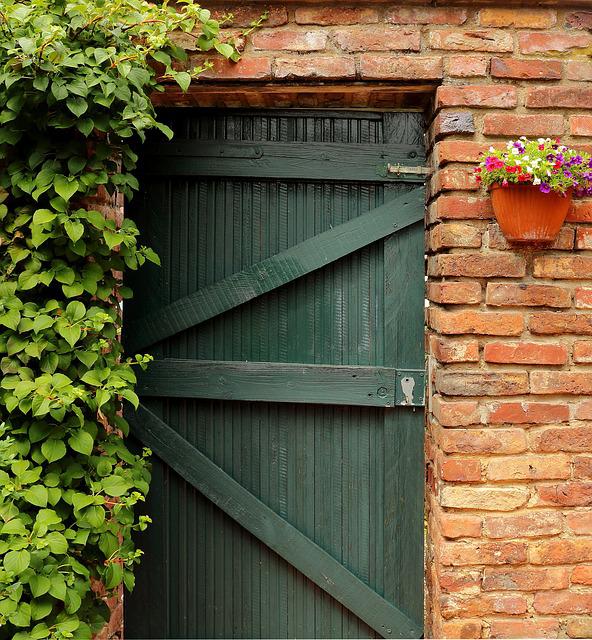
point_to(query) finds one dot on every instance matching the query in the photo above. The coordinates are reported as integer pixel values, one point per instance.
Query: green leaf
(73, 601)
(39, 585)
(225, 49)
(74, 229)
(75, 311)
(81, 500)
(82, 442)
(16, 527)
(42, 322)
(22, 617)
(113, 575)
(77, 106)
(43, 216)
(17, 561)
(115, 485)
(36, 495)
(71, 334)
(183, 79)
(85, 126)
(57, 542)
(76, 164)
(58, 587)
(65, 188)
(53, 450)
(41, 83)
(58, 90)
(41, 608)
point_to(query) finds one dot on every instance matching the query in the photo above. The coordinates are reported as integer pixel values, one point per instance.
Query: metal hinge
(399, 170)
(410, 388)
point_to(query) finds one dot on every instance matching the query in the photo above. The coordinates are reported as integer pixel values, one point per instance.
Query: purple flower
(590, 163)
(567, 174)
(545, 188)
(575, 160)
(551, 157)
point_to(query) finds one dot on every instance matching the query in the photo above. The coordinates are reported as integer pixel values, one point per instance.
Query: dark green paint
(348, 478)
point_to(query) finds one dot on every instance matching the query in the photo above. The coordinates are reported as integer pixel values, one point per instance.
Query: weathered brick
(582, 468)
(579, 627)
(455, 525)
(568, 267)
(583, 298)
(555, 439)
(536, 524)
(463, 629)
(453, 123)
(518, 18)
(554, 603)
(567, 382)
(518, 295)
(495, 96)
(496, 41)
(582, 351)
(546, 42)
(244, 16)
(524, 353)
(509, 125)
(478, 265)
(567, 494)
(453, 179)
(580, 211)
(483, 383)
(556, 97)
(580, 70)
(460, 580)
(458, 151)
(584, 238)
(584, 410)
(454, 292)
(454, 350)
(452, 606)
(250, 68)
(580, 522)
(488, 553)
(527, 412)
(460, 470)
(426, 15)
(526, 70)
(561, 551)
(289, 40)
(478, 441)
(552, 323)
(579, 20)
(325, 16)
(456, 413)
(582, 575)
(524, 628)
(461, 207)
(529, 468)
(564, 241)
(379, 38)
(321, 67)
(455, 234)
(525, 579)
(467, 66)
(394, 67)
(478, 322)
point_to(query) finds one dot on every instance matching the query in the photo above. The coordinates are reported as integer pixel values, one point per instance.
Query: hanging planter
(532, 183)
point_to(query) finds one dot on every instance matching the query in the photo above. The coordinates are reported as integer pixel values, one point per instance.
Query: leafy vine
(75, 83)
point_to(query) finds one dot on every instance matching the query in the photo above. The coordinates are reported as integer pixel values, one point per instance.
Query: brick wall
(509, 434)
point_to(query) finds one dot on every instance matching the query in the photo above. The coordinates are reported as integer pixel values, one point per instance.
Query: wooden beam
(284, 160)
(275, 532)
(274, 272)
(269, 382)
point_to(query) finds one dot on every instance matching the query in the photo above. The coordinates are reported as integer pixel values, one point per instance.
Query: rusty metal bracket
(399, 170)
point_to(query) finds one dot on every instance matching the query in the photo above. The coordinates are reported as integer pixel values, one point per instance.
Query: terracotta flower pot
(526, 214)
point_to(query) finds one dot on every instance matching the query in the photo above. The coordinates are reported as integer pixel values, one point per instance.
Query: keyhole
(407, 386)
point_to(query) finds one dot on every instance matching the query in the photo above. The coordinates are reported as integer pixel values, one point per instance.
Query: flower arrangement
(545, 163)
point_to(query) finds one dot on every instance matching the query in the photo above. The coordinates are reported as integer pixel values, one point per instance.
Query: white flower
(510, 144)
(529, 169)
(542, 140)
(525, 158)
(491, 149)
(518, 161)
(515, 151)
(548, 172)
(536, 180)
(522, 137)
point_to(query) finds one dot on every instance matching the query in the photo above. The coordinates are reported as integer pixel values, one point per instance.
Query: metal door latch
(399, 170)
(410, 388)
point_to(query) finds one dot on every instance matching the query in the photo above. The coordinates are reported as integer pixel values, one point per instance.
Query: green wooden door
(287, 497)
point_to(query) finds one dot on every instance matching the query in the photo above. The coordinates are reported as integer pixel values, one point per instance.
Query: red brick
(336, 15)
(582, 351)
(583, 469)
(554, 322)
(562, 439)
(497, 96)
(454, 525)
(379, 38)
(455, 414)
(454, 350)
(524, 353)
(483, 383)
(468, 66)
(458, 151)
(322, 67)
(527, 413)
(426, 15)
(579, 627)
(491, 553)
(454, 292)
(289, 40)
(453, 207)
(581, 125)
(565, 382)
(580, 70)
(580, 211)
(452, 123)
(461, 629)
(243, 16)
(249, 69)
(518, 18)
(570, 97)
(525, 578)
(455, 234)
(393, 67)
(580, 522)
(579, 20)
(584, 238)
(582, 575)
(561, 551)
(508, 125)
(470, 40)
(560, 42)
(568, 494)
(538, 523)
(460, 470)
(481, 605)
(456, 580)
(479, 441)
(561, 603)
(526, 628)
(478, 265)
(584, 410)
(583, 298)
(453, 179)
(526, 70)
(564, 241)
(518, 295)
(569, 267)
(478, 322)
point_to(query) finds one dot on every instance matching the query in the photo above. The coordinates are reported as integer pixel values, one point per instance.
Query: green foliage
(75, 84)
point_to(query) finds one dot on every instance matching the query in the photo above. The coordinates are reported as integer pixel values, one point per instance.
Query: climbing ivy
(75, 83)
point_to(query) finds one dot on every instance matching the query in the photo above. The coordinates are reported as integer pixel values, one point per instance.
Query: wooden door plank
(269, 382)
(274, 272)
(283, 160)
(275, 532)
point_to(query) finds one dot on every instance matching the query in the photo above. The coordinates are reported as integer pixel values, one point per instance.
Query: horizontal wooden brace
(283, 160)
(270, 528)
